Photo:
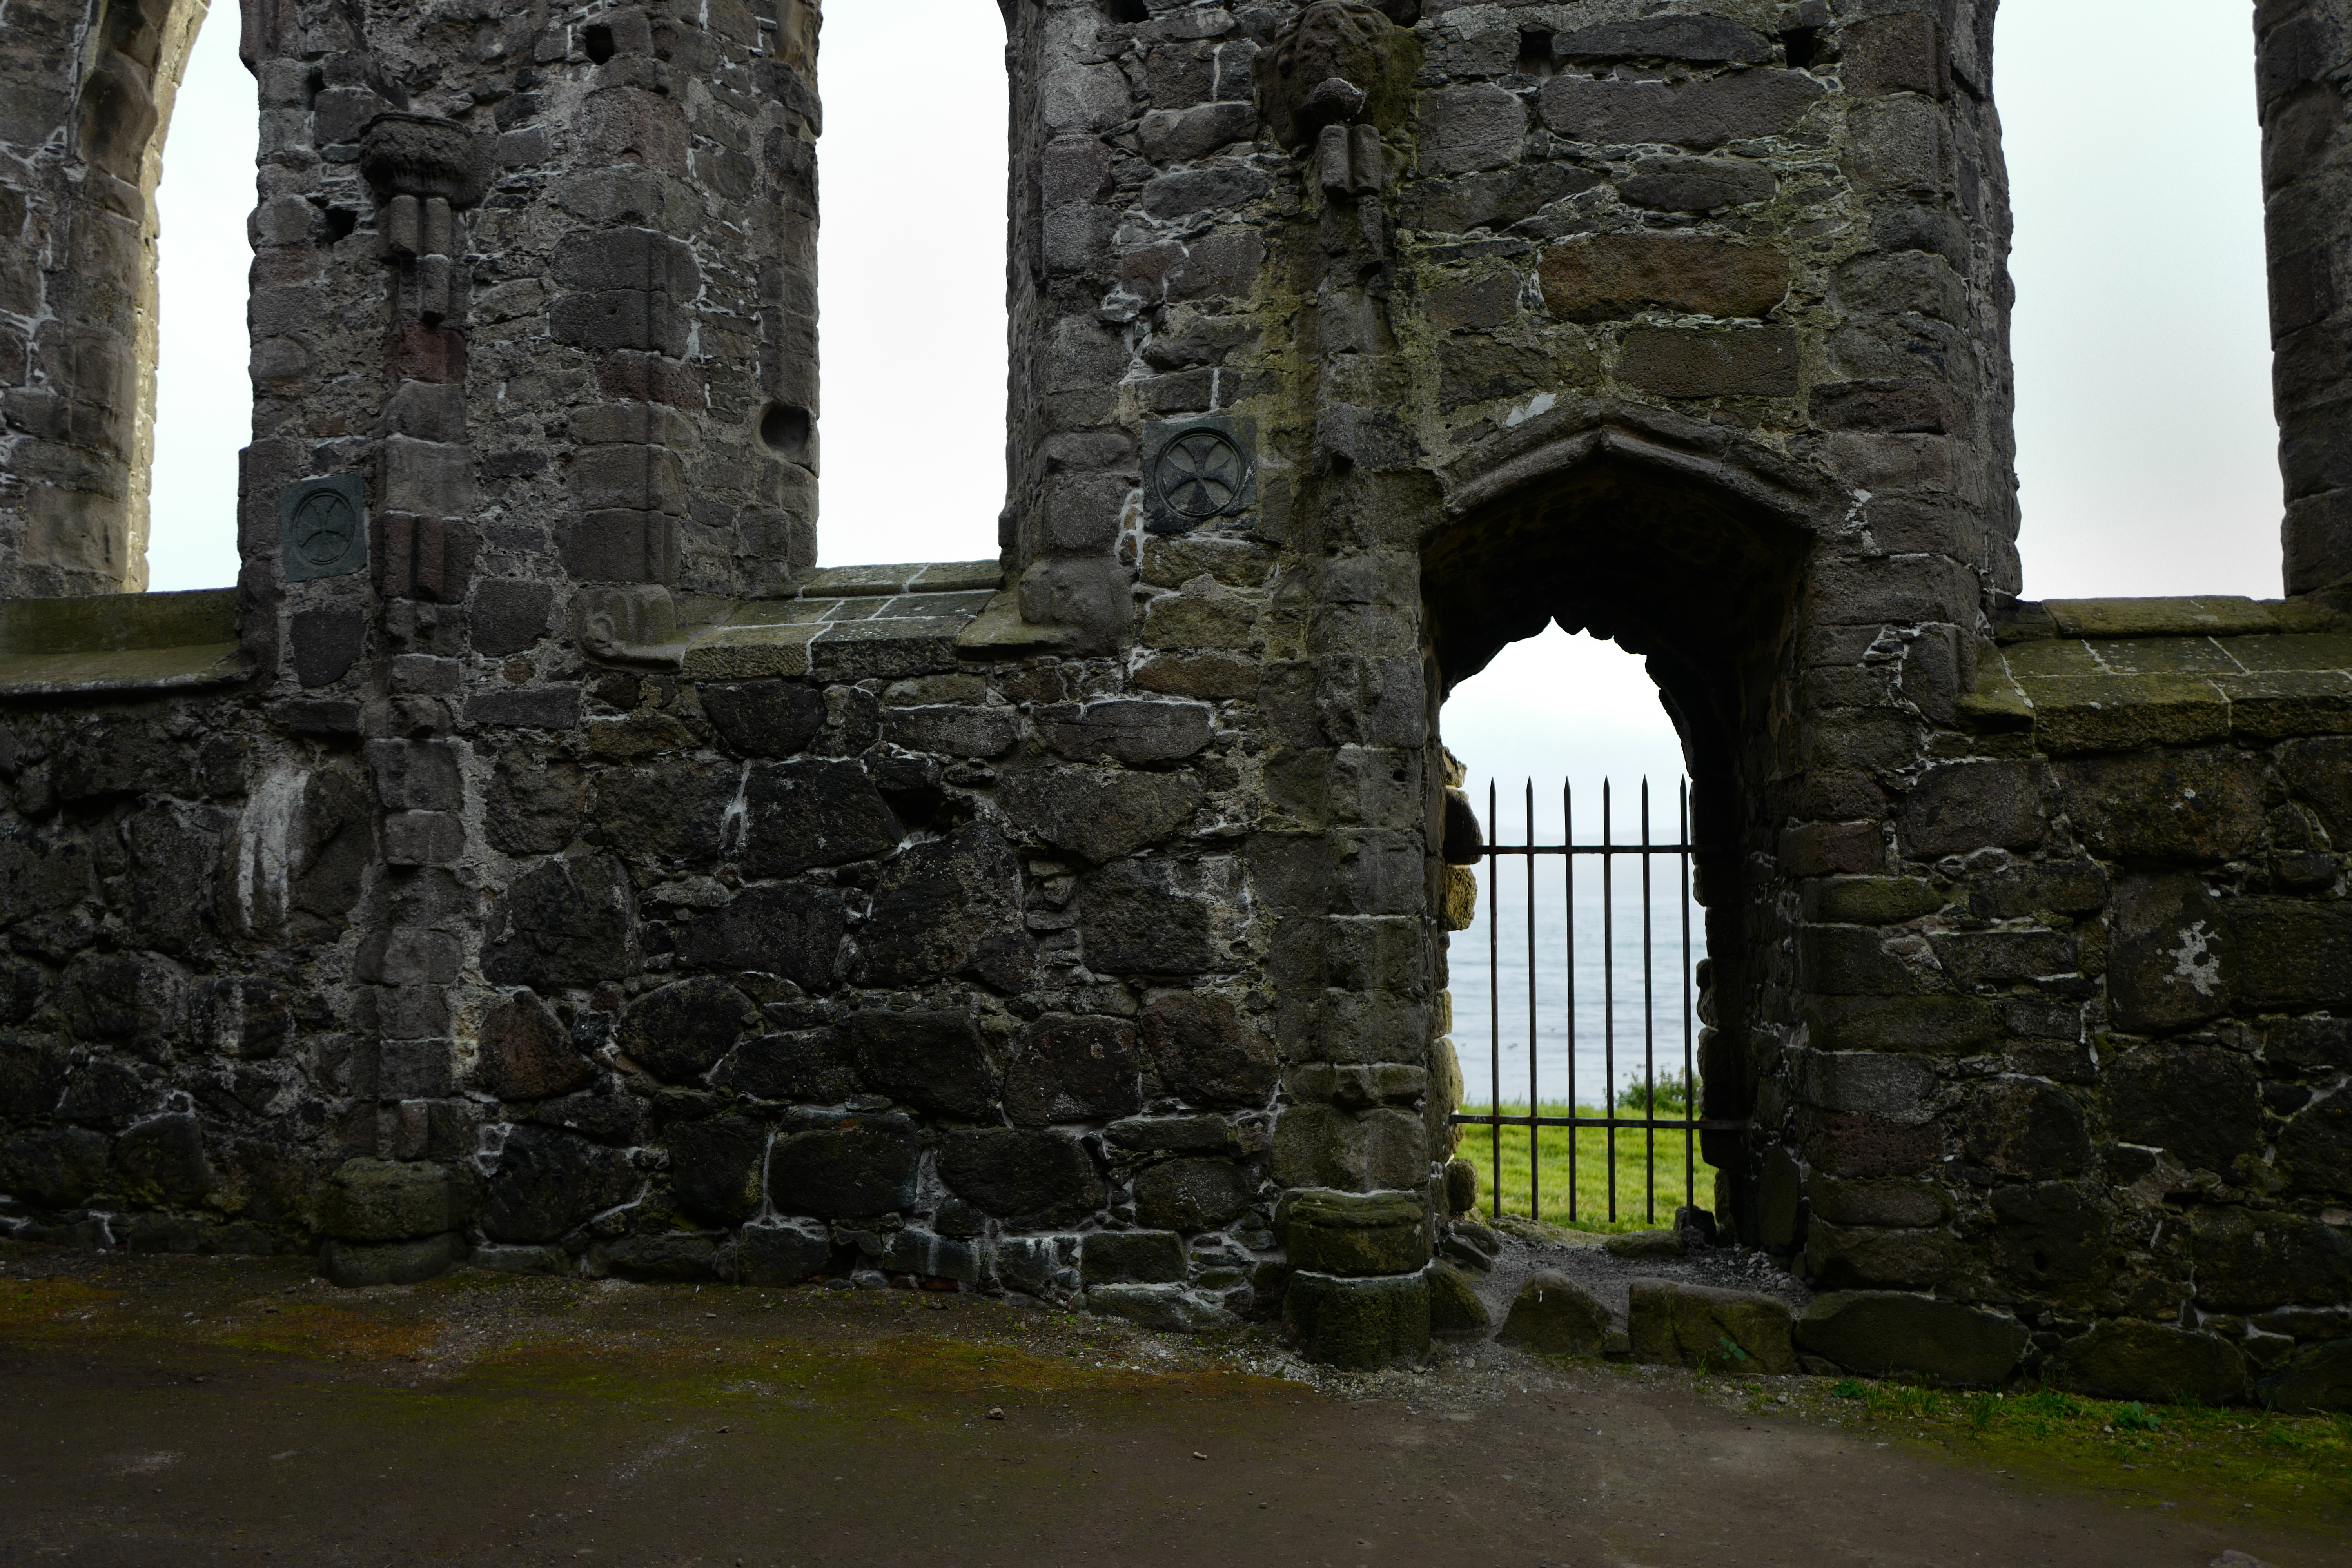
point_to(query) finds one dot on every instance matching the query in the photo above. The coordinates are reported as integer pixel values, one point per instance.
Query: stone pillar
(1072, 463)
(1359, 950)
(86, 97)
(2305, 52)
(552, 330)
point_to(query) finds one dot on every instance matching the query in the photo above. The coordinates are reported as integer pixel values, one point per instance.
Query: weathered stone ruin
(534, 859)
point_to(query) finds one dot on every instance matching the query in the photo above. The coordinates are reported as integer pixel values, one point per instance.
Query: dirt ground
(181, 1411)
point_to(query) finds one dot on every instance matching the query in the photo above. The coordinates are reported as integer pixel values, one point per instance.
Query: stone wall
(2072, 1043)
(559, 872)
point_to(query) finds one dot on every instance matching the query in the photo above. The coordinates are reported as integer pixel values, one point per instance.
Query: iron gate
(1611, 1124)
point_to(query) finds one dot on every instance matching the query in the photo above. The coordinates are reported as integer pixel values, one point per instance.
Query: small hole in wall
(341, 222)
(1804, 46)
(1128, 11)
(314, 83)
(786, 431)
(1535, 54)
(598, 44)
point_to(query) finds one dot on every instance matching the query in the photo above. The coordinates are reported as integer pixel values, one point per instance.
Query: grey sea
(1594, 1032)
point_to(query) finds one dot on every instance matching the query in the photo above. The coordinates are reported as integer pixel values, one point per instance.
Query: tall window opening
(203, 400)
(911, 255)
(2146, 450)
(1573, 987)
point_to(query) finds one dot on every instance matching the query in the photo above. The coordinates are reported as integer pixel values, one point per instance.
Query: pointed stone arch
(1686, 548)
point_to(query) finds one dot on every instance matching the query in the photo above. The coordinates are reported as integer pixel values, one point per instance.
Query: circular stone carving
(1201, 474)
(325, 527)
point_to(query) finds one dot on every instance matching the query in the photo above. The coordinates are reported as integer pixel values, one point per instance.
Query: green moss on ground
(2214, 1461)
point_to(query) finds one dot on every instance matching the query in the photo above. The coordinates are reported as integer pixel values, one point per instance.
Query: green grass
(2224, 1460)
(1591, 1146)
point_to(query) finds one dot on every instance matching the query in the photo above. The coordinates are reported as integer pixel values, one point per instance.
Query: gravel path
(177, 1411)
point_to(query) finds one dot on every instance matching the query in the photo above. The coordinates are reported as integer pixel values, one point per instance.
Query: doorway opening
(1574, 985)
(1685, 581)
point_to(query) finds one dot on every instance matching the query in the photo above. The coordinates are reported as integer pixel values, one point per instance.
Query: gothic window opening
(2147, 459)
(199, 353)
(911, 258)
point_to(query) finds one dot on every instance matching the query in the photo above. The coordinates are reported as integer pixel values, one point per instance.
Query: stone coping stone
(2085, 695)
(2195, 616)
(113, 623)
(851, 638)
(105, 643)
(2276, 705)
(2330, 651)
(748, 652)
(193, 668)
(777, 613)
(2196, 655)
(888, 649)
(1996, 701)
(2125, 712)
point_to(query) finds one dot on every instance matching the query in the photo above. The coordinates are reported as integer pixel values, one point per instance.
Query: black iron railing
(1690, 1124)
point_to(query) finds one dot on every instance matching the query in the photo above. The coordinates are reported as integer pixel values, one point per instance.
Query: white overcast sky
(2146, 447)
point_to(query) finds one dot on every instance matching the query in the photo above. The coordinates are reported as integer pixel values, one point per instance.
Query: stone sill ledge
(857, 621)
(112, 644)
(2096, 675)
(843, 621)
(133, 671)
(2214, 616)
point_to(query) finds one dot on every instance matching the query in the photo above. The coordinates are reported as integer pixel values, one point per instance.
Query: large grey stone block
(1881, 1333)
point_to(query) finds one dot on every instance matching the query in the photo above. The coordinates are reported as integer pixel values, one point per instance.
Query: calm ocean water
(1570, 943)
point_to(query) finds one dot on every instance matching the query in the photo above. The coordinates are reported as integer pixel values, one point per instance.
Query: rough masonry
(535, 860)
